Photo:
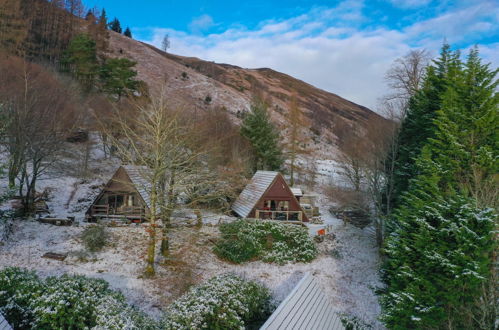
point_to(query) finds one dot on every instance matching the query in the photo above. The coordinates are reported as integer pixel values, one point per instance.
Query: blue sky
(344, 47)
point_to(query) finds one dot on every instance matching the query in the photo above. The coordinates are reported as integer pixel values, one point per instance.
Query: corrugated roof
(139, 176)
(4, 325)
(248, 198)
(306, 307)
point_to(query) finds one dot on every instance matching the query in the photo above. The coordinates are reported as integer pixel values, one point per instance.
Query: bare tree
(40, 114)
(165, 43)
(297, 141)
(166, 143)
(406, 74)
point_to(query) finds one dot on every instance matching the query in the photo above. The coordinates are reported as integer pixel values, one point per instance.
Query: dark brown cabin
(268, 196)
(125, 196)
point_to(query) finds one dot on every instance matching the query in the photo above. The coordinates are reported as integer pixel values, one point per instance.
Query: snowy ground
(346, 267)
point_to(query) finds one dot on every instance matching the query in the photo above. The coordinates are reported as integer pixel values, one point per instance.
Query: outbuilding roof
(252, 193)
(4, 325)
(306, 307)
(297, 192)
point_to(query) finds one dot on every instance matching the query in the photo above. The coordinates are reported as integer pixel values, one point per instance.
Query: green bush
(69, 302)
(18, 288)
(94, 238)
(223, 302)
(115, 314)
(270, 241)
(66, 302)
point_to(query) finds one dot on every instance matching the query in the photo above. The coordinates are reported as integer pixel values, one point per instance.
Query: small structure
(4, 325)
(297, 192)
(306, 307)
(268, 196)
(125, 196)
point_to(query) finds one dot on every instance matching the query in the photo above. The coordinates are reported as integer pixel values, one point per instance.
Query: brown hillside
(201, 84)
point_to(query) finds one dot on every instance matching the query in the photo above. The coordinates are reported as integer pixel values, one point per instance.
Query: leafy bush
(223, 302)
(115, 314)
(66, 302)
(94, 238)
(18, 287)
(269, 241)
(69, 302)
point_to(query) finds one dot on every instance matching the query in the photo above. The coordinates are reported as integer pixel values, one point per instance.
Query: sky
(344, 47)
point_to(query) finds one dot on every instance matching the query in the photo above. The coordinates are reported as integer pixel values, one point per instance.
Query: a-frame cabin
(126, 195)
(268, 196)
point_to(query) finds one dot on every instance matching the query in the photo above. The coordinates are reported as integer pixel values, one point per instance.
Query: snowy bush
(114, 314)
(18, 287)
(94, 238)
(269, 241)
(223, 302)
(66, 302)
(69, 302)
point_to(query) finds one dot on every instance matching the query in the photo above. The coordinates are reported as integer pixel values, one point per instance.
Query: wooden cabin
(125, 196)
(268, 196)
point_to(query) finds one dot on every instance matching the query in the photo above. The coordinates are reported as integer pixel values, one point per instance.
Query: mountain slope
(193, 82)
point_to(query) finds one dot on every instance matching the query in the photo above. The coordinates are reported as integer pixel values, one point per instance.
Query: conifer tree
(115, 25)
(263, 136)
(81, 60)
(127, 32)
(118, 77)
(418, 125)
(440, 267)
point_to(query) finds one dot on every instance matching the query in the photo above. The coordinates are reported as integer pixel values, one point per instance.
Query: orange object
(321, 231)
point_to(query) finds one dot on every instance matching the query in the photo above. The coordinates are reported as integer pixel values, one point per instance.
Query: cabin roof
(306, 307)
(138, 175)
(253, 191)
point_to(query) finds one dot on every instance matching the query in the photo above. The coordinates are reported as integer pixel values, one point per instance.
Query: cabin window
(283, 206)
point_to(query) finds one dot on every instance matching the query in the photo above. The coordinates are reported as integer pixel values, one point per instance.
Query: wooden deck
(3, 324)
(306, 307)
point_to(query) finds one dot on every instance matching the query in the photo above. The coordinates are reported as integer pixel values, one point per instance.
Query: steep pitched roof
(252, 193)
(306, 307)
(139, 177)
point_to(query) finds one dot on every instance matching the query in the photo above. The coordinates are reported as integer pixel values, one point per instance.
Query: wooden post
(257, 214)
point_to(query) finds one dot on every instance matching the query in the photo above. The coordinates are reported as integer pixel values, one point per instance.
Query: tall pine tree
(418, 125)
(440, 267)
(115, 25)
(263, 136)
(128, 32)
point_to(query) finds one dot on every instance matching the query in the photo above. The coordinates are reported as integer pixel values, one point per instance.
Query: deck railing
(279, 215)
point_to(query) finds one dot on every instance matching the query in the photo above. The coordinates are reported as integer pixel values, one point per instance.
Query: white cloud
(319, 48)
(410, 4)
(201, 23)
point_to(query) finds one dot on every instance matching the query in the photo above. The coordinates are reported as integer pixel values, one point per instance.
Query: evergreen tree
(466, 142)
(127, 32)
(115, 25)
(80, 60)
(118, 77)
(102, 20)
(440, 266)
(263, 136)
(418, 125)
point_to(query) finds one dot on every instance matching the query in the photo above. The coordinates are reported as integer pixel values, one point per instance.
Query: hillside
(193, 82)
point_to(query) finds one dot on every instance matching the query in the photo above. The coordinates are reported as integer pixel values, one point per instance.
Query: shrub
(66, 302)
(69, 302)
(18, 287)
(269, 241)
(223, 302)
(115, 314)
(94, 238)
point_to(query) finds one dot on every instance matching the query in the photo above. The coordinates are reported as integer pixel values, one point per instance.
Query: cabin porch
(118, 205)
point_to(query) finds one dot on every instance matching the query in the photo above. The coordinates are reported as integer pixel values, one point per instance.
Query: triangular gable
(258, 187)
(253, 192)
(135, 175)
